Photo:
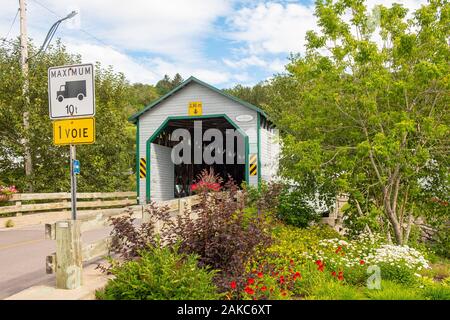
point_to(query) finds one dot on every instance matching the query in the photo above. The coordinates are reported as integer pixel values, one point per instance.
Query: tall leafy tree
(365, 111)
(166, 84)
(105, 165)
(257, 95)
(141, 95)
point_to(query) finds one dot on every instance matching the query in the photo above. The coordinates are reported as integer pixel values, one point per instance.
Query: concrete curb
(92, 280)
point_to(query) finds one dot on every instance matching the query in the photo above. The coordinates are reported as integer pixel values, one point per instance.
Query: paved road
(22, 257)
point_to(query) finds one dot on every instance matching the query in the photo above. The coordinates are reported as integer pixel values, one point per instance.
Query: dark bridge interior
(186, 174)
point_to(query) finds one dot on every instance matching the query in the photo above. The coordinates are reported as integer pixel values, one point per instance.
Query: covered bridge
(249, 147)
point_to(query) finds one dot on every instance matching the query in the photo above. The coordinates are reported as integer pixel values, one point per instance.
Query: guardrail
(67, 261)
(37, 208)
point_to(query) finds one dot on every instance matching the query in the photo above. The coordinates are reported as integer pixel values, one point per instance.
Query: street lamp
(51, 33)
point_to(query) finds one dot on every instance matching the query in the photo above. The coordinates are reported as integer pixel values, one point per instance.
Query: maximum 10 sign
(71, 92)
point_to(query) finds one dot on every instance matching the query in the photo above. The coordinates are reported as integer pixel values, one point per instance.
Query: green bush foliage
(294, 209)
(160, 274)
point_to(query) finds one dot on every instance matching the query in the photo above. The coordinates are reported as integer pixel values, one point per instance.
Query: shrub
(398, 263)
(128, 238)
(295, 210)
(160, 274)
(265, 197)
(441, 241)
(207, 182)
(223, 235)
(292, 243)
(434, 290)
(9, 223)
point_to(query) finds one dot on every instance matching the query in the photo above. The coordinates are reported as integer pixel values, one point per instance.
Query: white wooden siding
(161, 173)
(177, 105)
(270, 149)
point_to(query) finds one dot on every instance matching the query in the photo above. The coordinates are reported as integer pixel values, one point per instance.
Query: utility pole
(25, 90)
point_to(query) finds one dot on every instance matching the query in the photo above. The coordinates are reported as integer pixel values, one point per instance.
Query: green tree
(258, 95)
(105, 165)
(166, 84)
(141, 95)
(365, 110)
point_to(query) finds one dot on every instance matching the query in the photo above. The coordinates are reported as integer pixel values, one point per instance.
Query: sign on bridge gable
(71, 91)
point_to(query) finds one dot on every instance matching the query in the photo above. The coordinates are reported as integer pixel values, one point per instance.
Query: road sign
(195, 108)
(74, 131)
(76, 166)
(71, 92)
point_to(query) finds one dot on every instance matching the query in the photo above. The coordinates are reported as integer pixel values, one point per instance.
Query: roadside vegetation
(245, 250)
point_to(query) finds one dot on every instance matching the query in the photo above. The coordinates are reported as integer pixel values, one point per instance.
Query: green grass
(394, 291)
(336, 291)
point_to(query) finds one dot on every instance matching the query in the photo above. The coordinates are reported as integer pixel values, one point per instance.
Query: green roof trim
(135, 116)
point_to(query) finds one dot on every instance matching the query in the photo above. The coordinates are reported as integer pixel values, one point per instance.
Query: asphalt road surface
(22, 257)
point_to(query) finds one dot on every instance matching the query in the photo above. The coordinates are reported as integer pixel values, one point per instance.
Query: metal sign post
(71, 97)
(73, 182)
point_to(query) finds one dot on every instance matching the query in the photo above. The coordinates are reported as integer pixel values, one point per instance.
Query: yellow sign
(142, 168)
(253, 165)
(74, 131)
(195, 108)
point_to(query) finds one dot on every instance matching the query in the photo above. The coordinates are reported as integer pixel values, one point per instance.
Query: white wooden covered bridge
(158, 178)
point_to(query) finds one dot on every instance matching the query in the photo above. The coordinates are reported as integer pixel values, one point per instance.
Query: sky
(222, 42)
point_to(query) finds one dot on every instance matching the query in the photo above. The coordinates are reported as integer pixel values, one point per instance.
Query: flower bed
(6, 192)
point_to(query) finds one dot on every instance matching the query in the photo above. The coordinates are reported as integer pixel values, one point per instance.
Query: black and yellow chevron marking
(253, 164)
(142, 168)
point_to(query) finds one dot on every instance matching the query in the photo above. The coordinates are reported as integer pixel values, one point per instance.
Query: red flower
(341, 276)
(297, 275)
(260, 274)
(251, 281)
(361, 262)
(233, 285)
(249, 290)
(333, 273)
(338, 249)
(291, 262)
(282, 279)
(263, 288)
(320, 265)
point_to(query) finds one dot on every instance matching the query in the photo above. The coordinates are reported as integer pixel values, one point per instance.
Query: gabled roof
(135, 116)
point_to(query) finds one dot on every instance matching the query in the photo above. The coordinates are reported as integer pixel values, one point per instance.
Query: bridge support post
(69, 267)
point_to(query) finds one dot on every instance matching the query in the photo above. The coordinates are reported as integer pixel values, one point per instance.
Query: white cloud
(206, 71)
(272, 27)
(146, 39)
(245, 62)
(134, 71)
(174, 27)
